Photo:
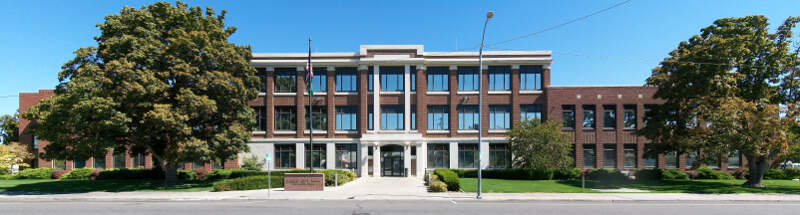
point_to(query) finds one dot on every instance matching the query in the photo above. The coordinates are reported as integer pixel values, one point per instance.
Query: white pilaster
(300, 155)
(363, 152)
(330, 156)
(407, 99)
(484, 149)
(376, 97)
(407, 159)
(376, 161)
(453, 155)
(422, 159)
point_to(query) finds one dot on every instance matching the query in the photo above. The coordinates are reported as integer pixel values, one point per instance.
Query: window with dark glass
(198, 164)
(499, 156)
(346, 156)
(568, 116)
(285, 157)
(77, 164)
(320, 81)
(647, 109)
(346, 118)
(629, 156)
(99, 162)
(589, 156)
(138, 161)
(671, 159)
(285, 118)
(609, 156)
(499, 117)
(315, 157)
(285, 80)
(531, 112)
(629, 119)
(391, 78)
(261, 118)
(467, 155)
(650, 161)
(320, 118)
(438, 156)
(530, 77)
(119, 160)
(691, 157)
(346, 79)
(609, 116)
(468, 117)
(392, 117)
(588, 117)
(437, 78)
(438, 117)
(734, 159)
(468, 78)
(499, 78)
(262, 80)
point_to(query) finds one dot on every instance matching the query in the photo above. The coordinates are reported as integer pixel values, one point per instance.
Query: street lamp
(489, 15)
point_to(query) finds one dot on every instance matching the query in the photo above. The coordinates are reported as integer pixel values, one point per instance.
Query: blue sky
(617, 47)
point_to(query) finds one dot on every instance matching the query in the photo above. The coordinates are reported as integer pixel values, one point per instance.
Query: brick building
(396, 110)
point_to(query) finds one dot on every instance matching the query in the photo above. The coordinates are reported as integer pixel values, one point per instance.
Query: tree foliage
(540, 145)
(731, 88)
(163, 80)
(14, 153)
(9, 128)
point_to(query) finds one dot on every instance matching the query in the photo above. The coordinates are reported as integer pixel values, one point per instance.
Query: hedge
(35, 173)
(708, 173)
(248, 183)
(130, 174)
(448, 177)
(344, 176)
(673, 174)
(78, 174)
(518, 174)
(567, 174)
(438, 186)
(782, 174)
(606, 175)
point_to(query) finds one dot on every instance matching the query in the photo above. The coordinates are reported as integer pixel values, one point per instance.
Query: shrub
(512, 174)
(344, 176)
(79, 174)
(606, 175)
(673, 174)
(239, 173)
(8, 177)
(741, 173)
(708, 173)
(468, 173)
(58, 173)
(450, 178)
(775, 174)
(252, 162)
(648, 174)
(35, 173)
(567, 174)
(438, 186)
(130, 174)
(433, 178)
(219, 174)
(248, 183)
(186, 175)
(4, 171)
(792, 173)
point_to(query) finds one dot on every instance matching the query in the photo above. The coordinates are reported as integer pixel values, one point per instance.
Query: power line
(624, 58)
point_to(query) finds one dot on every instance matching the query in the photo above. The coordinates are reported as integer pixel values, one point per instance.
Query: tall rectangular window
(499, 117)
(262, 80)
(468, 78)
(609, 116)
(59, 164)
(370, 119)
(629, 119)
(346, 79)
(413, 77)
(438, 156)
(413, 118)
(438, 117)
(99, 162)
(468, 117)
(138, 161)
(77, 164)
(285, 118)
(437, 78)
(467, 155)
(261, 118)
(530, 77)
(392, 78)
(650, 161)
(346, 156)
(320, 118)
(285, 156)
(531, 112)
(629, 156)
(568, 116)
(588, 117)
(734, 159)
(320, 81)
(370, 78)
(198, 164)
(392, 117)
(499, 156)
(119, 159)
(285, 80)
(609, 156)
(315, 157)
(499, 78)
(346, 118)
(671, 159)
(589, 156)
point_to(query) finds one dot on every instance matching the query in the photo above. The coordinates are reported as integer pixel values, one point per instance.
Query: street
(393, 207)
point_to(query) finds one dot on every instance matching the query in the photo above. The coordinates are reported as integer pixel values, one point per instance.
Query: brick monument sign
(303, 181)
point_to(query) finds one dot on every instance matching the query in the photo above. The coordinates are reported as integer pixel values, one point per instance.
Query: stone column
(453, 155)
(422, 158)
(407, 159)
(330, 155)
(376, 160)
(363, 153)
(376, 96)
(300, 155)
(407, 98)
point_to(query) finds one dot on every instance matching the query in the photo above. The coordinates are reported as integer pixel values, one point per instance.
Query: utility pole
(480, 103)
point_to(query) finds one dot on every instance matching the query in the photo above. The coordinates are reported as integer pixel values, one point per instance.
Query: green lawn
(82, 186)
(681, 186)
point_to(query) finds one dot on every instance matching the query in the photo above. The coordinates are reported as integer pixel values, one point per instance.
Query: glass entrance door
(392, 160)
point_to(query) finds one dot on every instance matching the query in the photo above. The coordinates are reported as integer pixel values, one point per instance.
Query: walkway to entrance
(382, 187)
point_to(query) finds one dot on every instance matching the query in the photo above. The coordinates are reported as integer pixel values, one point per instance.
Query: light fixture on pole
(489, 15)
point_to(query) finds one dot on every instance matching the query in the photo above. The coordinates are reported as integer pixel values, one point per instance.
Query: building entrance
(392, 160)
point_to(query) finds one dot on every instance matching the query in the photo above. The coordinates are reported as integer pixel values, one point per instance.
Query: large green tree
(731, 88)
(536, 144)
(9, 128)
(162, 80)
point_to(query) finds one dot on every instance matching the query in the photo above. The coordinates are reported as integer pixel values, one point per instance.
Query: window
(413, 118)
(438, 117)
(77, 164)
(319, 82)
(468, 117)
(59, 164)
(392, 117)
(413, 78)
(499, 77)
(346, 79)
(217, 164)
(652, 161)
(437, 78)
(530, 77)
(609, 156)
(690, 159)
(499, 117)
(609, 116)
(531, 112)
(588, 117)
(629, 156)
(568, 116)
(315, 157)
(119, 160)
(468, 78)
(320, 118)
(391, 78)
(262, 80)
(589, 156)
(647, 109)
(346, 156)
(734, 159)
(671, 159)
(99, 162)
(370, 119)
(285, 118)
(346, 118)
(261, 118)
(138, 161)
(285, 156)
(370, 78)
(467, 155)
(198, 164)
(285, 80)
(499, 156)
(438, 156)
(629, 119)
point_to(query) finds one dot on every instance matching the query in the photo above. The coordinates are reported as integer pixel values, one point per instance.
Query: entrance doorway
(392, 160)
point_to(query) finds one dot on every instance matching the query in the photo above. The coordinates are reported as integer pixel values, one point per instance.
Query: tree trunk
(757, 168)
(171, 173)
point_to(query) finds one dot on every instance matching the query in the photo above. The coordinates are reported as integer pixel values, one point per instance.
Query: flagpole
(309, 69)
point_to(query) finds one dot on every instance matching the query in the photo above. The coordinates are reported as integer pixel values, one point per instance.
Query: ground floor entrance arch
(392, 163)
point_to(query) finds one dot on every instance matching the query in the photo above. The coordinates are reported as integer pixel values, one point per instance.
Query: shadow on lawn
(689, 186)
(85, 186)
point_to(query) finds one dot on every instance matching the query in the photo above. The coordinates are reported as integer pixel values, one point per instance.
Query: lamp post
(489, 15)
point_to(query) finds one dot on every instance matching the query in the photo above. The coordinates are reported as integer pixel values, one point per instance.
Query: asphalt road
(396, 207)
